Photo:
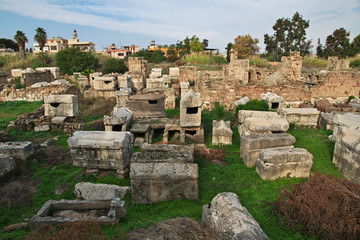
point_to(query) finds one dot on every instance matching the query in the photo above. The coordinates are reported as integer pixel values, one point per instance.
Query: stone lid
(301, 111)
(65, 98)
(284, 155)
(243, 114)
(146, 97)
(261, 141)
(191, 99)
(100, 139)
(221, 128)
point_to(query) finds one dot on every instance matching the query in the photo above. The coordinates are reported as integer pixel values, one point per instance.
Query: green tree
(8, 43)
(73, 60)
(245, 46)
(228, 51)
(189, 45)
(319, 49)
(113, 65)
(153, 57)
(290, 35)
(196, 45)
(205, 42)
(355, 45)
(338, 44)
(21, 39)
(40, 37)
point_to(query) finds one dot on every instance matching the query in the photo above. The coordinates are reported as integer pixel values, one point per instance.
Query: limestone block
(124, 81)
(55, 71)
(20, 150)
(300, 116)
(122, 97)
(156, 182)
(147, 106)
(16, 72)
(284, 162)
(7, 163)
(120, 119)
(256, 125)
(105, 83)
(93, 192)
(61, 105)
(275, 101)
(184, 88)
(156, 73)
(230, 219)
(190, 109)
(155, 83)
(138, 142)
(40, 85)
(101, 150)
(42, 128)
(326, 121)
(251, 145)
(243, 114)
(242, 101)
(347, 152)
(221, 133)
(346, 120)
(60, 82)
(174, 72)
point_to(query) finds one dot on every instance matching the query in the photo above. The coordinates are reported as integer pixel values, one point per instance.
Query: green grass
(9, 110)
(205, 67)
(171, 113)
(314, 62)
(201, 58)
(254, 193)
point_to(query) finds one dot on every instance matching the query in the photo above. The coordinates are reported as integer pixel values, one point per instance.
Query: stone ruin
(238, 69)
(355, 103)
(29, 76)
(163, 172)
(122, 97)
(156, 79)
(334, 64)
(3, 78)
(95, 192)
(326, 121)
(147, 106)
(105, 83)
(230, 219)
(273, 100)
(55, 71)
(184, 88)
(138, 68)
(7, 164)
(59, 212)
(20, 150)
(119, 121)
(300, 116)
(291, 66)
(101, 150)
(284, 162)
(259, 122)
(221, 133)
(61, 105)
(251, 145)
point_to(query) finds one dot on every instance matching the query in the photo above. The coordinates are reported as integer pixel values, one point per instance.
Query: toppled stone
(355, 103)
(300, 116)
(93, 192)
(101, 150)
(7, 163)
(230, 219)
(61, 105)
(284, 162)
(251, 145)
(58, 120)
(347, 152)
(243, 114)
(242, 101)
(40, 85)
(20, 150)
(256, 125)
(326, 121)
(221, 133)
(42, 128)
(190, 109)
(346, 120)
(60, 82)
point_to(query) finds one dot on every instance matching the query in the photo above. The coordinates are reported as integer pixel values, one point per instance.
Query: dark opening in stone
(193, 110)
(274, 105)
(152, 101)
(55, 105)
(117, 128)
(107, 82)
(190, 132)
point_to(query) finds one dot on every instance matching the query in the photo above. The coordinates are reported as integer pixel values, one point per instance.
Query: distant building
(121, 53)
(84, 46)
(153, 47)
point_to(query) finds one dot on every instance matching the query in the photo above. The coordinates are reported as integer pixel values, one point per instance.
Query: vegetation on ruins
(8, 62)
(228, 51)
(189, 45)
(203, 58)
(8, 43)
(21, 39)
(73, 60)
(40, 37)
(245, 46)
(289, 35)
(113, 65)
(153, 57)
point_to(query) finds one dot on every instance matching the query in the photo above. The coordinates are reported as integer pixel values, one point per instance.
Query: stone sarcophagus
(61, 105)
(147, 106)
(119, 121)
(105, 83)
(300, 116)
(101, 150)
(190, 109)
(221, 133)
(163, 172)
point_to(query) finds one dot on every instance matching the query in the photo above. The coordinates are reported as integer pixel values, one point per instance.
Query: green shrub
(257, 105)
(113, 65)
(351, 98)
(153, 57)
(355, 62)
(73, 60)
(313, 62)
(202, 58)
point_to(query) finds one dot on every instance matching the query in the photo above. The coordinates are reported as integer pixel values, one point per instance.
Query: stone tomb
(300, 116)
(221, 133)
(147, 106)
(120, 120)
(190, 109)
(7, 163)
(61, 105)
(59, 212)
(284, 162)
(347, 152)
(256, 125)
(101, 150)
(20, 150)
(273, 100)
(122, 97)
(251, 145)
(195, 134)
(105, 83)
(346, 120)
(244, 114)
(163, 172)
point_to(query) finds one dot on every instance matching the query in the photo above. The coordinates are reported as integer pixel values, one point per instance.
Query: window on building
(121, 54)
(53, 48)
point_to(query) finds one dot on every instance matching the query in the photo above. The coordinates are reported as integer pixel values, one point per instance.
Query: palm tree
(21, 39)
(40, 37)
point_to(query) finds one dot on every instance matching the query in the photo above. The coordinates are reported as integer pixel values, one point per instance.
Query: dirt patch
(17, 192)
(96, 106)
(177, 229)
(324, 206)
(56, 155)
(214, 156)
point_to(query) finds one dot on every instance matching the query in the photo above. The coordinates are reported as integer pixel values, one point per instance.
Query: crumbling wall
(291, 66)
(138, 64)
(30, 78)
(334, 64)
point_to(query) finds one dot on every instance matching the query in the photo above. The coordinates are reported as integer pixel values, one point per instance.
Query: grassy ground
(254, 193)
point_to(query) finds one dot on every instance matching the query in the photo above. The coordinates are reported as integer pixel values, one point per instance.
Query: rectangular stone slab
(300, 116)
(243, 114)
(261, 141)
(20, 150)
(249, 156)
(253, 125)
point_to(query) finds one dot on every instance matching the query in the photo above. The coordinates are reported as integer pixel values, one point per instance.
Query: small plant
(351, 98)
(355, 62)
(258, 105)
(192, 83)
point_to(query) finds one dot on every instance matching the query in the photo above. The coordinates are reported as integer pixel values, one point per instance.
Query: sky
(137, 22)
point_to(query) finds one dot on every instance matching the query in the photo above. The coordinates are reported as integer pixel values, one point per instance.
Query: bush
(259, 62)
(355, 63)
(73, 60)
(203, 58)
(313, 62)
(351, 98)
(152, 57)
(257, 105)
(113, 65)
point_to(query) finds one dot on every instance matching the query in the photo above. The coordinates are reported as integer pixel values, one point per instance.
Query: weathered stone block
(101, 150)
(93, 192)
(156, 73)
(147, 106)
(256, 125)
(105, 83)
(242, 101)
(277, 163)
(55, 71)
(300, 116)
(20, 150)
(156, 83)
(221, 133)
(122, 97)
(273, 100)
(7, 163)
(326, 121)
(61, 105)
(243, 114)
(230, 219)
(190, 109)
(251, 145)
(120, 119)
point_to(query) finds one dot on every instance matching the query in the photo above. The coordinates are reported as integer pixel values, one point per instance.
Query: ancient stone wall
(334, 64)
(30, 78)
(138, 64)
(291, 66)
